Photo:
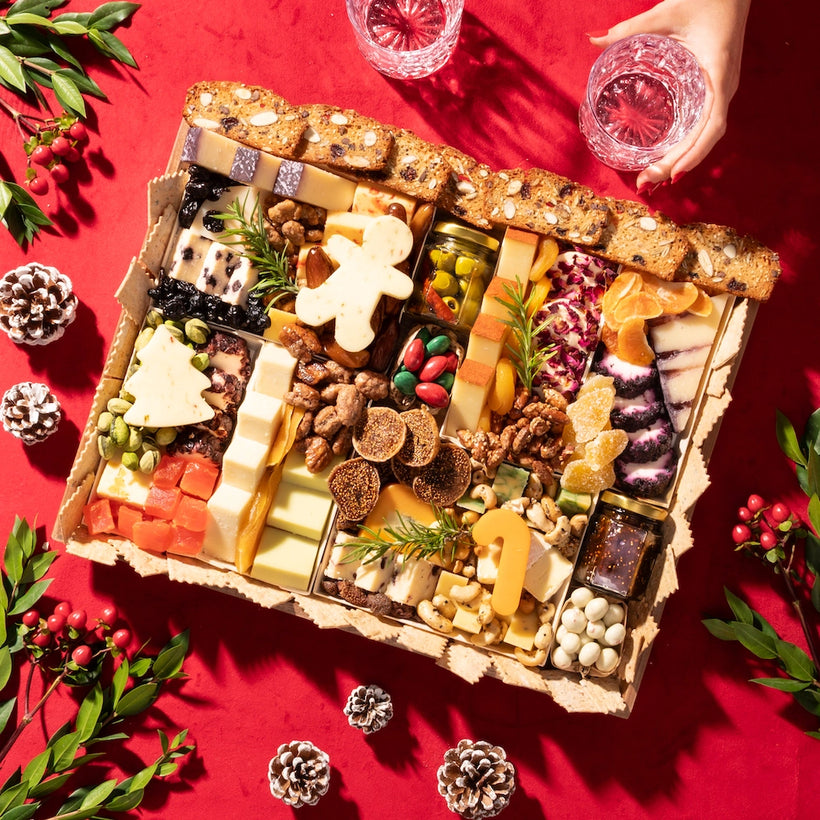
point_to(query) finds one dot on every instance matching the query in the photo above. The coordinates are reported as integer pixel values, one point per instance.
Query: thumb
(650, 22)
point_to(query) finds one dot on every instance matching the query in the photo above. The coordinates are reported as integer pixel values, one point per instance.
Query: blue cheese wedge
(189, 255)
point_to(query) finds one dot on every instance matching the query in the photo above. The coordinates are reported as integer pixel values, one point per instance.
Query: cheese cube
(121, 484)
(447, 580)
(278, 319)
(547, 570)
(347, 224)
(204, 223)
(218, 266)
(468, 396)
(284, 560)
(339, 565)
(273, 370)
(487, 339)
(522, 629)
(209, 149)
(300, 511)
(374, 576)
(242, 281)
(227, 509)
(494, 296)
(315, 186)
(244, 462)
(516, 255)
(510, 482)
(295, 471)
(189, 256)
(374, 200)
(466, 617)
(414, 580)
(259, 418)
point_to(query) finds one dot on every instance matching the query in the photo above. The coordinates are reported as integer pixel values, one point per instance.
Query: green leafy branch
(35, 55)
(102, 715)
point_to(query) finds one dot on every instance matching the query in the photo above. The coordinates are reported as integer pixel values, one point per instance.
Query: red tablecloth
(701, 742)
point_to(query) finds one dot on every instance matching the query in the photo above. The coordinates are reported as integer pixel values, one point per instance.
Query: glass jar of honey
(620, 546)
(456, 267)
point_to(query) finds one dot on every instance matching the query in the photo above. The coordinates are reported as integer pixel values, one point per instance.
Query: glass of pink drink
(644, 95)
(406, 39)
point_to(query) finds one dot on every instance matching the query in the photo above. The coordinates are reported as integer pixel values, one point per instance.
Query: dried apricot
(538, 295)
(605, 448)
(580, 477)
(642, 305)
(609, 336)
(502, 393)
(633, 346)
(589, 414)
(544, 258)
(702, 306)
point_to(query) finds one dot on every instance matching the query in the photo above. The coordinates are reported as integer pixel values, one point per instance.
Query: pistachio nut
(201, 361)
(104, 421)
(197, 331)
(149, 461)
(165, 435)
(130, 461)
(120, 432)
(144, 337)
(134, 440)
(105, 447)
(154, 319)
(119, 406)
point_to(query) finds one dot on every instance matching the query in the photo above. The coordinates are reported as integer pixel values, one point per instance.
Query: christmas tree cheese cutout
(167, 387)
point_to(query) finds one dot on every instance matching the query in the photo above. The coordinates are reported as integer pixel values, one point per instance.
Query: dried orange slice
(580, 477)
(702, 306)
(632, 344)
(675, 297)
(605, 448)
(609, 336)
(641, 305)
(623, 285)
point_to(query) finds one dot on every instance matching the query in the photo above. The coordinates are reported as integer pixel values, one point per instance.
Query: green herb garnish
(272, 265)
(527, 356)
(410, 539)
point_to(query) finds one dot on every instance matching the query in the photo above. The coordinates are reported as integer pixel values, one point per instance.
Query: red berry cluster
(767, 526)
(67, 633)
(55, 143)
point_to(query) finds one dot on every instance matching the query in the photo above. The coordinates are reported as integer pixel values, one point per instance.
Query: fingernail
(678, 177)
(642, 188)
(597, 33)
(654, 173)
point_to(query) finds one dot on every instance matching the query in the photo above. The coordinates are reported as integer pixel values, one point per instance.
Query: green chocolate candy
(405, 382)
(437, 345)
(446, 380)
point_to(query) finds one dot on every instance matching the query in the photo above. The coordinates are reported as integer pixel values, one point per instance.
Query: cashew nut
(559, 537)
(536, 514)
(543, 637)
(433, 618)
(546, 613)
(491, 634)
(517, 505)
(577, 524)
(552, 510)
(465, 594)
(486, 613)
(486, 493)
(445, 606)
(534, 488)
(479, 476)
(538, 657)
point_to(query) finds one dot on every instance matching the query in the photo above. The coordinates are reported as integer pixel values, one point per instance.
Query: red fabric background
(702, 742)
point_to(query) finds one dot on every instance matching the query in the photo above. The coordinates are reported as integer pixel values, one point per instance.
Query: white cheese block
(306, 183)
(547, 570)
(374, 200)
(284, 560)
(295, 471)
(245, 195)
(300, 510)
(339, 566)
(227, 508)
(244, 462)
(243, 280)
(220, 264)
(272, 371)
(189, 255)
(259, 418)
(121, 484)
(374, 576)
(414, 580)
(167, 387)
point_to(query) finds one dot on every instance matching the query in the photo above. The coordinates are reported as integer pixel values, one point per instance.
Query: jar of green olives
(456, 267)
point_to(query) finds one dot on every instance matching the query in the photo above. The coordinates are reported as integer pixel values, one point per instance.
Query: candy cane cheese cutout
(509, 528)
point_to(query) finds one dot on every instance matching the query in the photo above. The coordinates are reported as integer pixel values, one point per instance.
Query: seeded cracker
(641, 239)
(246, 113)
(379, 434)
(464, 194)
(354, 485)
(446, 478)
(540, 201)
(343, 139)
(722, 261)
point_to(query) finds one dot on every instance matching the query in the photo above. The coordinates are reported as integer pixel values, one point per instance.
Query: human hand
(713, 31)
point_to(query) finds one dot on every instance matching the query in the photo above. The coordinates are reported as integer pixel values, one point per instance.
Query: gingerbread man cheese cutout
(366, 272)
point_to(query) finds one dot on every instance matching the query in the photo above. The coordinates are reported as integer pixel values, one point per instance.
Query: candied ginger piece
(605, 448)
(581, 477)
(633, 346)
(594, 382)
(589, 414)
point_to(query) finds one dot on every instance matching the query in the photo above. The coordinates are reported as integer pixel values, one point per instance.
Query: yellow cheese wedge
(547, 570)
(300, 510)
(488, 336)
(468, 396)
(284, 560)
(374, 200)
(516, 255)
(395, 499)
(347, 224)
(522, 629)
(306, 183)
(121, 484)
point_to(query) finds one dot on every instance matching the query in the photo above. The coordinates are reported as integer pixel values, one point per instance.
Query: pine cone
(476, 779)
(37, 304)
(30, 411)
(299, 774)
(369, 708)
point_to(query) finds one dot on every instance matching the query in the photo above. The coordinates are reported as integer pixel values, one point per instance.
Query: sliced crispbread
(343, 139)
(546, 203)
(464, 194)
(246, 113)
(642, 239)
(415, 167)
(720, 260)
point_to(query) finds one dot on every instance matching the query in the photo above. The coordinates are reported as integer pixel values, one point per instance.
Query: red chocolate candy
(433, 394)
(414, 355)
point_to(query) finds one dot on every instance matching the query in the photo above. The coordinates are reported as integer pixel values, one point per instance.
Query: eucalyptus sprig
(104, 713)
(37, 60)
(272, 266)
(778, 537)
(410, 539)
(528, 357)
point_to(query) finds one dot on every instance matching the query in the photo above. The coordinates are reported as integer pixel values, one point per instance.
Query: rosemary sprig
(410, 539)
(528, 357)
(272, 266)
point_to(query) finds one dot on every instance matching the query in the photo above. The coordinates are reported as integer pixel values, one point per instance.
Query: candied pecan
(539, 426)
(304, 396)
(349, 405)
(330, 392)
(550, 448)
(294, 232)
(342, 442)
(480, 445)
(282, 211)
(522, 398)
(300, 342)
(495, 458)
(372, 385)
(557, 400)
(317, 454)
(305, 426)
(533, 409)
(275, 239)
(314, 235)
(327, 422)
(311, 373)
(379, 604)
(330, 586)
(557, 418)
(508, 436)
(522, 439)
(338, 372)
(313, 215)
(543, 472)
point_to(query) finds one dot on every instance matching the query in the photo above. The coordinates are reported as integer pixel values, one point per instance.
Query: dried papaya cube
(633, 346)
(642, 304)
(589, 414)
(605, 448)
(581, 477)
